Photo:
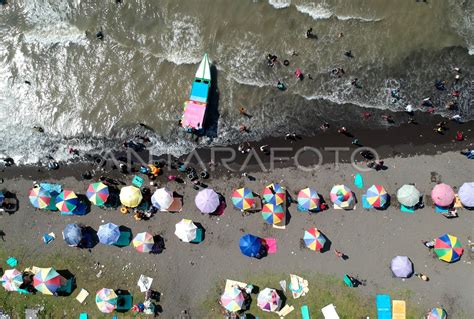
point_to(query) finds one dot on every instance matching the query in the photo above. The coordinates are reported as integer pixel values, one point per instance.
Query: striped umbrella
(313, 239)
(273, 214)
(243, 198)
(11, 280)
(377, 196)
(437, 313)
(97, 193)
(130, 196)
(143, 242)
(341, 196)
(274, 194)
(232, 299)
(268, 300)
(39, 197)
(67, 201)
(442, 195)
(47, 281)
(106, 300)
(448, 248)
(308, 199)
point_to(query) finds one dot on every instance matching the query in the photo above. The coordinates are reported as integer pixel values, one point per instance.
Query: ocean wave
(279, 4)
(320, 12)
(61, 32)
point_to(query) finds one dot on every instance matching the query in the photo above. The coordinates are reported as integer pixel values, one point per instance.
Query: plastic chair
(137, 181)
(125, 239)
(305, 312)
(124, 302)
(83, 315)
(12, 262)
(199, 236)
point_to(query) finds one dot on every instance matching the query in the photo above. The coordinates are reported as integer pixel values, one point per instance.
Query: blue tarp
(199, 92)
(384, 307)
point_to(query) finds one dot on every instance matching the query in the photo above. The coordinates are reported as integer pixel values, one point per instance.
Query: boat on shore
(195, 107)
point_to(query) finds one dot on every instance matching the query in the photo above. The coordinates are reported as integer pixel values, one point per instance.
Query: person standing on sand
(243, 112)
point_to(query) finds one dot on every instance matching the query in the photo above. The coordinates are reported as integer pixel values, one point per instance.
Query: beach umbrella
(106, 300)
(401, 267)
(274, 194)
(39, 197)
(232, 299)
(273, 214)
(437, 313)
(47, 281)
(186, 230)
(108, 234)
(130, 196)
(250, 245)
(143, 242)
(308, 199)
(67, 201)
(448, 248)
(243, 198)
(72, 234)
(442, 195)
(408, 195)
(268, 300)
(2, 198)
(313, 239)
(207, 201)
(466, 194)
(162, 198)
(97, 193)
(11, 280)
(341, 196)
(377, 196)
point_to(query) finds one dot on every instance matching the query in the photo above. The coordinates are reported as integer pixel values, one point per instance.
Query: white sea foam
(280, 4)
(322, 12)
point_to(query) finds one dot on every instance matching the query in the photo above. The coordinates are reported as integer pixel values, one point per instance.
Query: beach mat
(406, 209)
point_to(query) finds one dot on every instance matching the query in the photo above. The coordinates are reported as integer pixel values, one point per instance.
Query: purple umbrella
(402, 267)
(466, 194)
(207, 201)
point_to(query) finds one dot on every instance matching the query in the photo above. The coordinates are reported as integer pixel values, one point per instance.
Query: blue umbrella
(108, 234)
(250, 245)
(72, 234)
(2, 198)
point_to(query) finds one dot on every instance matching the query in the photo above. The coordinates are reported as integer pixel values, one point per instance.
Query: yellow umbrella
(130, 196)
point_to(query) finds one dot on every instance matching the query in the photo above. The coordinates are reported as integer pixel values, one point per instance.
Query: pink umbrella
(442, 195)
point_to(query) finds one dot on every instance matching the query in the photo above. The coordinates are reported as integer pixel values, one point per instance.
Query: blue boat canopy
(199, 92)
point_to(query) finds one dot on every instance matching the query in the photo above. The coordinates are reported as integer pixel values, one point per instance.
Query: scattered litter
(47, 238)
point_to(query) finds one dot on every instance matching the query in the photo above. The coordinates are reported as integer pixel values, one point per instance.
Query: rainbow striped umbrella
(273, 214)
(143, 242)
(39, 197)
(448, 248)
(243, 198)
(11, 280)
(308, 199)
(274, 194)
(47, 281)
(377, 196)
(437, 313)
(98, 193)
(106, 300)
(341, 196)
(67, 201)
(232, 299)
(313, 239)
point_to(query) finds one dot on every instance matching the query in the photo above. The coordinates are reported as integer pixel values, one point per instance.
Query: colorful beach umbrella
(273, 214)
(308, 199)
(401, 267)
(408, 195)
(143, 242)
(39, 197)
(341, 196)
(162, 198)
(11, 280)
(72, 234)
(268, 300)
(274, 194)
(106, 300)
(207, 200)
(97, 193)
(108, 234)
(130, 196)
(437, 313)
(442, 195)
(466, 194)
(186, 230)
(243, 198)
(67, 201)
(47, 281)
(313, 239)
(250, 245)
(232, 299)
(448, 248)
(377, 196)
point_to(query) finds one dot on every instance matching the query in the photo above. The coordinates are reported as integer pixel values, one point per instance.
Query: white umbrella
(162, 198)
(186, 230)
(408, 195)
